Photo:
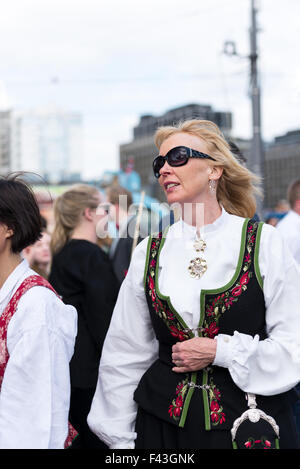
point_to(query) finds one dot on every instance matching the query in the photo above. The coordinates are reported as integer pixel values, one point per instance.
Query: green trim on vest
(202, 314)
(203, 294)
(205, 401)
(256, 256)
(232, 281)
(167, 298)
(147, 261)
(187, 400)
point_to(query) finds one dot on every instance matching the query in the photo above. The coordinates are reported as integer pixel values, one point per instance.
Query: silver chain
(199, 386)
(196, 329)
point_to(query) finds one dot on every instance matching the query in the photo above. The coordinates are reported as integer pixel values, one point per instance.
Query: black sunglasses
(177, 156)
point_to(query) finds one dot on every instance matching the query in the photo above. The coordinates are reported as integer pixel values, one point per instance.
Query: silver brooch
(198, 266)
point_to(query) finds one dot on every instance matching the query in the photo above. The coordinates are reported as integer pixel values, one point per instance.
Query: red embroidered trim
(161, 307)
(176, 407)
(217, 415)
(217, 306)
(263, 443)
(9, 311)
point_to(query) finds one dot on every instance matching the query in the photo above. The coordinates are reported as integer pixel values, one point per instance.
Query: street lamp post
(257, 151)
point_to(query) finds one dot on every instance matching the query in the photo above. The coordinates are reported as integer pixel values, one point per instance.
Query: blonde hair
(114, 192)
(237, 186)
(68, 208)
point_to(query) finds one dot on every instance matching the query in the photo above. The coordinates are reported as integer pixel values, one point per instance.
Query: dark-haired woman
(37, 334)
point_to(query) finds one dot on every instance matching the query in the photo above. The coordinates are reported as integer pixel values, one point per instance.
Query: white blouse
(263, 367)
(289, 227)
(35, 393)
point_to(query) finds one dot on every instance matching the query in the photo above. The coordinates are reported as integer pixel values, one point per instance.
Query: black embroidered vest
(210, 396)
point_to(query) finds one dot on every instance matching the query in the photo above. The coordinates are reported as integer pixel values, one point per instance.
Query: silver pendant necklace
(198, 265)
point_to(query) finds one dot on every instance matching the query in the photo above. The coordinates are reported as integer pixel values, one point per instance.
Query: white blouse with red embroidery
(35, 393)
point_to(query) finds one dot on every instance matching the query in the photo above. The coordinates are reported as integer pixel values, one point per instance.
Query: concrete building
(49, 143)
(142, 149)
(5, 142)
(282, 166)
(282, 156)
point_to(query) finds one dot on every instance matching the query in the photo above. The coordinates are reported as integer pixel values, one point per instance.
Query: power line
(56, 81)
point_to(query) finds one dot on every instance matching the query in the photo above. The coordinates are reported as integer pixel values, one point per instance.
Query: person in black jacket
(82, 274)
(120, 200)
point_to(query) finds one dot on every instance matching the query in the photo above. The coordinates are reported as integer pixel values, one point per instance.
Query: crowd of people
(161, 343)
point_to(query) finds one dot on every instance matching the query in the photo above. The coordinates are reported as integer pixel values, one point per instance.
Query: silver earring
(212, 185)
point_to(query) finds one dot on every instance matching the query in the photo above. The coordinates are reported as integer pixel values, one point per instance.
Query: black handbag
(254, 429)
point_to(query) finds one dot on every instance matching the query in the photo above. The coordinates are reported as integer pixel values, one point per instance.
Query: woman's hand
(193, 354)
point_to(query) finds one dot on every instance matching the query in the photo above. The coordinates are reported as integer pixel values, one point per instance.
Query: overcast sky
(115, 60)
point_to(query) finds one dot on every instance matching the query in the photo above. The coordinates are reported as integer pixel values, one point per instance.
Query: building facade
(48, 142)
(142, 149)
(282, 166)
(281, 156)
(5, 142)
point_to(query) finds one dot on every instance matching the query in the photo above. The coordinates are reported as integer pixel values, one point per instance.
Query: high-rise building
(5, 130)
(48, 142)
(142, 150)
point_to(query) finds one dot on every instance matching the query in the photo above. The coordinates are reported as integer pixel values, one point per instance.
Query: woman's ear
(88, 213)
(215, 172)
(9, 233)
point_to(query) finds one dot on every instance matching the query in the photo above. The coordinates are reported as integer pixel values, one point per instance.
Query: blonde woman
(81, 273)
(207, 314)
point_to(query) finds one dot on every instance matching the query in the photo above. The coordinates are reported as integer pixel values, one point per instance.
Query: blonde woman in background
(81, 273)
(207, 313)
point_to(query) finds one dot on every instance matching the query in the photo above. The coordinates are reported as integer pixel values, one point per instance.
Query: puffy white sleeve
(130, 347)
(269, 366)
(35, 393)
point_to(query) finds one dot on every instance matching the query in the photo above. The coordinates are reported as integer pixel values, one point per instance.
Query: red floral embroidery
(217, 306)
(217, 415)
(175, 408)
(244, 279)
(161, 307)
(212, 330)
(247, 258)
(177, 333)
(263, 443)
